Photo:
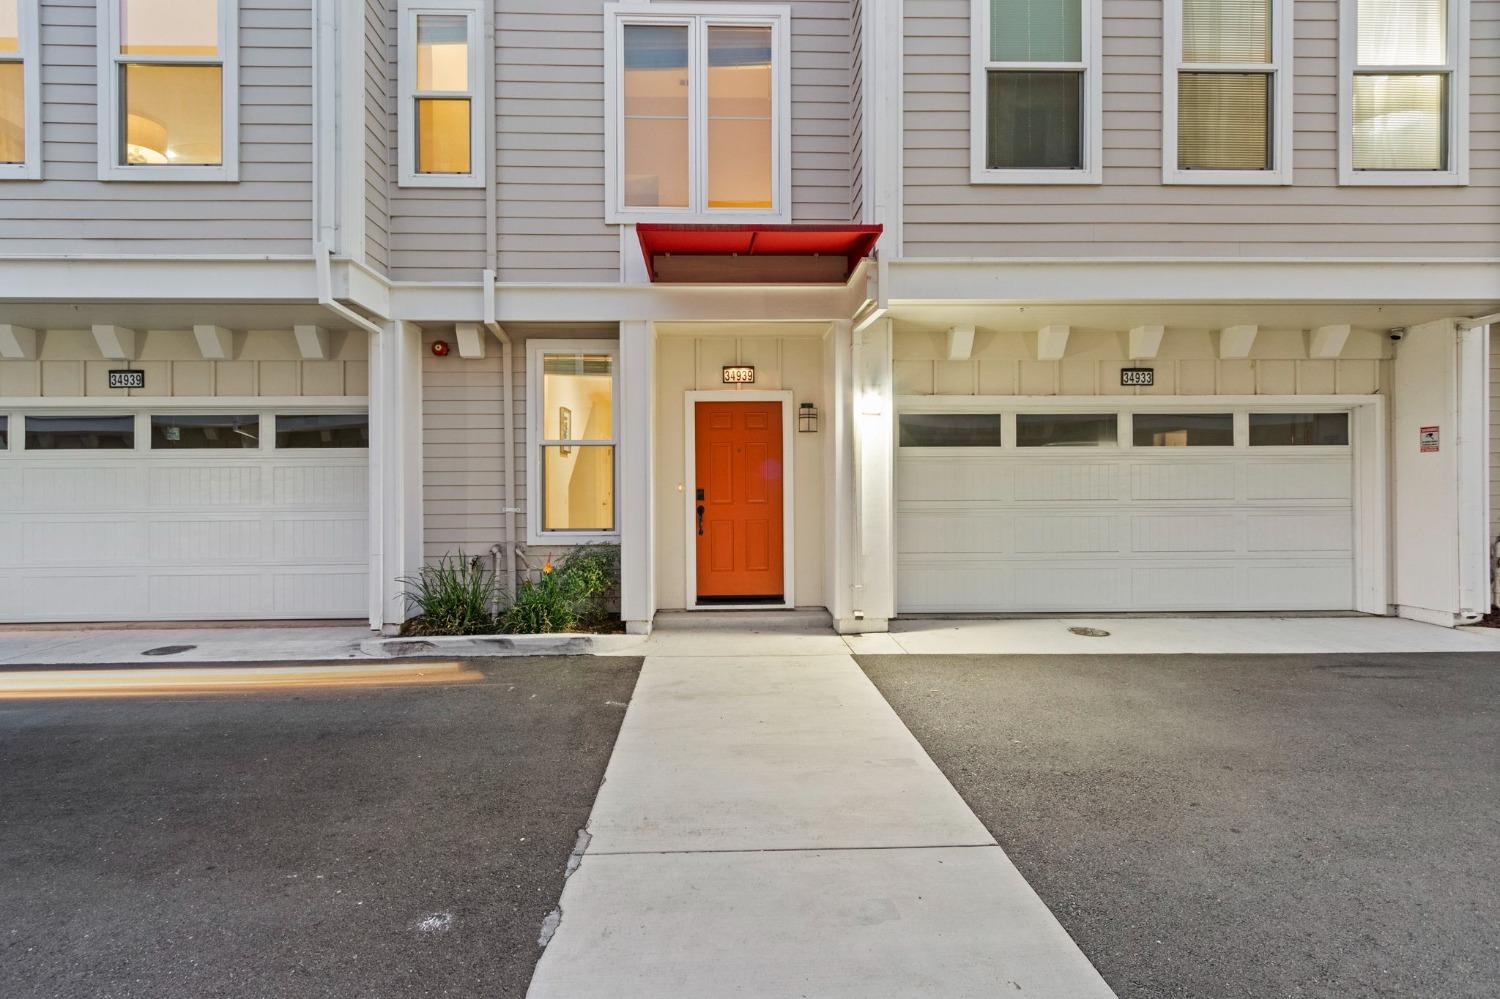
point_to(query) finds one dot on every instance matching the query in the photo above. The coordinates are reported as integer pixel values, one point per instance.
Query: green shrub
(452, 597)
(570, 594)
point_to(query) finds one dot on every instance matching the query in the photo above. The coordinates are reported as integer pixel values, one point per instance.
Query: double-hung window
(169, 90)
(20, 91)
(442, 110)
(698, 109)
(1035, 92)
(1227, 101)
(573, 413)
(1403, 94)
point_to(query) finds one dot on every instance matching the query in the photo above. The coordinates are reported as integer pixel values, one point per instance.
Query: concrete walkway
(768, 827)
(94, 646)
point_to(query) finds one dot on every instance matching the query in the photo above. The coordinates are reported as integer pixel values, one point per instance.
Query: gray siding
(856, 111)
(268, 211)
(1132, 213)
(376, 131)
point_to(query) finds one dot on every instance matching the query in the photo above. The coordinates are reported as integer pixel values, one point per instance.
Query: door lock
(700, 520)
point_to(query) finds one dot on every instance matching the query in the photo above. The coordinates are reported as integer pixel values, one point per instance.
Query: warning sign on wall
(1428, 439)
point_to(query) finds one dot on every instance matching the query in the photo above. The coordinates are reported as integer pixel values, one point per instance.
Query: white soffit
(1052, 342)
(215, 343)
(312, 342)
(17, 343)
(1327, 342)
(1236, 341)
(471, 338)
(1145, 341)
(115, 342)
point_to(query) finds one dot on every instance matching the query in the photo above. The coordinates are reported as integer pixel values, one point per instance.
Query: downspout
(507, 347)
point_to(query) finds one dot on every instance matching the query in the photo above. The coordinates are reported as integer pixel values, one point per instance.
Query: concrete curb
(566, 644)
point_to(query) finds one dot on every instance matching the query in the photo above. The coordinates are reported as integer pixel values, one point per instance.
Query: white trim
(698, 18)
(1092, 47)
(1457, 70)
(690, 400)
(477, 94)
(1281, 133)
(1367, 448)
(30, 58)
(109, 96)
(535, 351)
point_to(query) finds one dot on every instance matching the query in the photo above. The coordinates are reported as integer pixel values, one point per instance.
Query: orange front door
(737, 505)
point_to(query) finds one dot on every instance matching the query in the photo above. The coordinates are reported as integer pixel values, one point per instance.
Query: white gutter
(323, 261)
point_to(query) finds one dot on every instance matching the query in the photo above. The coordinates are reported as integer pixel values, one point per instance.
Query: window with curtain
(1036, 85)
(1226, 85)
(440, 101)
(698, 115)
(1402, 88)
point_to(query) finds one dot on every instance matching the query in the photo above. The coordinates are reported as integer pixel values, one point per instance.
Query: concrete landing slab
(770, 753)
(861, 924)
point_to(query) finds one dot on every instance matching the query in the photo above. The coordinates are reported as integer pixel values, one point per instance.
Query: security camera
(1398, 332)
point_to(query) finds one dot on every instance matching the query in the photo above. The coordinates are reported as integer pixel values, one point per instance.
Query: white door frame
(1367, 445)
(788, 495)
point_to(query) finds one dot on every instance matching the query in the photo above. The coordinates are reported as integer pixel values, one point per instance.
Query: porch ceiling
(169, 315)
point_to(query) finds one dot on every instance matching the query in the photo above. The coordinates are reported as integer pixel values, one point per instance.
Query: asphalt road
(1238, 826)
(292, 844)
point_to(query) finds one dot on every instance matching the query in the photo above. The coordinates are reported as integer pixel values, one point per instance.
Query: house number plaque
(739, 374)
(126, 379)
(1137, 376)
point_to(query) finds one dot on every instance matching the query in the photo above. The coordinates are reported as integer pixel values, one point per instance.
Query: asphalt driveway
(350, 842)
(1238, 826)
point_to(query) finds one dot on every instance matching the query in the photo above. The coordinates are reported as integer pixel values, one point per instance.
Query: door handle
(700, 520)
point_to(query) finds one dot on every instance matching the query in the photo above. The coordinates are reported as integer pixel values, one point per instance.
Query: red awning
(754, 254)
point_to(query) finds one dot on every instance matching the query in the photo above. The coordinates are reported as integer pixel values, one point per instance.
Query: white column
(637, 437)
(873, 583)
(395, 469)
(838, 471)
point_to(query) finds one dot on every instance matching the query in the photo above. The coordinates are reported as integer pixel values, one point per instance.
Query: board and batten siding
(549, 131)
(268, 211)
(1132, 212)
(379, 100)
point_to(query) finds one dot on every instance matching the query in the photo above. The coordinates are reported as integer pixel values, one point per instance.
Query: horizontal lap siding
(268, 211)
(376, 130)
(856, 111)
(1132, 213)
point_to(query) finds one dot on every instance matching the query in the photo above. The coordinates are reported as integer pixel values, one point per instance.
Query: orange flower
(547, 567)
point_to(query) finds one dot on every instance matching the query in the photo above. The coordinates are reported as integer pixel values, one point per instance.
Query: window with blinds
(1226, 92)
(1400, 93)
(1035, 67)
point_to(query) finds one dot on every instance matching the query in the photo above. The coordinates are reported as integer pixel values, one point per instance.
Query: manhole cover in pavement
(1090, 632)
(168, 650)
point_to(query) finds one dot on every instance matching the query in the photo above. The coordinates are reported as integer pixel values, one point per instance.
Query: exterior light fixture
(440, 348)
(807, 418)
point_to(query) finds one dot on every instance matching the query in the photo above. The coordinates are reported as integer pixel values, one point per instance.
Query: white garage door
(1004, 512)
(182, 516)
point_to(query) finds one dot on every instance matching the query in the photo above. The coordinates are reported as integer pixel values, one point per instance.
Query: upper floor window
(699, 113)
(440, 122)
(20, 91)
(1404, 82)
(1228, 95)
(169, 90)
(1035, 92)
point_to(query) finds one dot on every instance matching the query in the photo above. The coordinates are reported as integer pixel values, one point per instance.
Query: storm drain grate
(168, 650)
(1090, 632)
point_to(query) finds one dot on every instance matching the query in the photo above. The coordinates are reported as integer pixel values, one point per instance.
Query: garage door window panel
(1299, 429)
(4, 433)
(1067, 430)
(200, 432)
(323, 431)
(1183, 429)
(950, 429)
(80, 433)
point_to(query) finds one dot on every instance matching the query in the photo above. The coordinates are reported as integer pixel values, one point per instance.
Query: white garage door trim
(1366, 454)
(142, 539)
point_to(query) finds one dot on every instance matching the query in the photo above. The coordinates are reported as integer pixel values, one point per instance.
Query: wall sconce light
(807, 418)
(440, 348)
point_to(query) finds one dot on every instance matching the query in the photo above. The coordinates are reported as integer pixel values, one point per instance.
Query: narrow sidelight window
(1228, 92)
(440, 132)
(20, 94)
(1035, 101)
(698, 112)
(172, 69)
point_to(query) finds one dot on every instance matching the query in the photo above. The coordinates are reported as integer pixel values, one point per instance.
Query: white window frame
(30, 58)
(536, 351)
(1457, 70)
(1281, 127)
(698, 18)
(1092, 44)
(109, 110)
(478, 95)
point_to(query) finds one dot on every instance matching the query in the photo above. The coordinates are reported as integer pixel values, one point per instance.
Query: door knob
(700, 520)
